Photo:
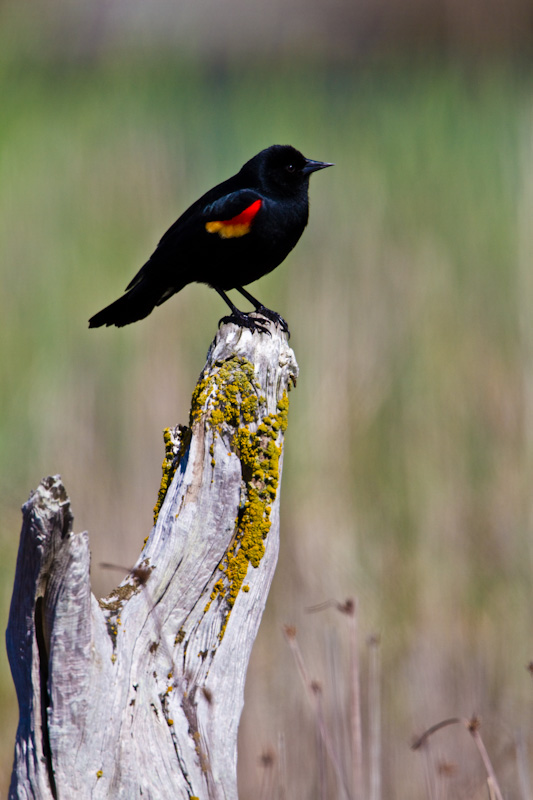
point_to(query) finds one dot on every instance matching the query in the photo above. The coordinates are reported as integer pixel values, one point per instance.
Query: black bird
(233, 235)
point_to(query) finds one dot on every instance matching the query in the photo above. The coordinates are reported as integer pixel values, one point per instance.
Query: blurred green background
(408, 477)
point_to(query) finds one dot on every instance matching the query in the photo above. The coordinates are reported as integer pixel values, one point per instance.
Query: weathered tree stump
(140, 694)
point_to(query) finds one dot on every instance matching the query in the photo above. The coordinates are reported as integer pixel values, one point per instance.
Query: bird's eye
(290, 168)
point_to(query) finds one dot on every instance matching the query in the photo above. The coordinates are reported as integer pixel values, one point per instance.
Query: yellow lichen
(227, 394)
(175, 447)
(228, 403)
(249, 408)
(217, 418)
(283, 411)
(259, 454)
(225, 397)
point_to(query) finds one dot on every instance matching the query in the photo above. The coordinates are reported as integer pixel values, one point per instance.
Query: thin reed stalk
(313, 691)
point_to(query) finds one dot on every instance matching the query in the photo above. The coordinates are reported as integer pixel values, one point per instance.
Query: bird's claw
(273, 316)
(245, 321)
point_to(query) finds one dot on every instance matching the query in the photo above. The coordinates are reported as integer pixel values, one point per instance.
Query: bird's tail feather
(136, 304)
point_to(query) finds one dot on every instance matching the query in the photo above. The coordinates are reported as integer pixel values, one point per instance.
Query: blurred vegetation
(409, 455)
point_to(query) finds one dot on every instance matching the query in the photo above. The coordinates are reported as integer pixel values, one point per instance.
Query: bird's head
(282, 168)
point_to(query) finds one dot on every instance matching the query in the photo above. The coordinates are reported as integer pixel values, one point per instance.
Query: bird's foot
(245, 321)
(273, 316)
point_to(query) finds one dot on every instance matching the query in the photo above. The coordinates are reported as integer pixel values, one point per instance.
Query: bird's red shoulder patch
(236, 226)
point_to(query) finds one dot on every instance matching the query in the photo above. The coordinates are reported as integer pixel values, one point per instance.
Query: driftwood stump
(140, 694)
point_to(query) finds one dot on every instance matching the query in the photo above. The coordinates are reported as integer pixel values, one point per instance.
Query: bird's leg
(265, 312)
(239, 317)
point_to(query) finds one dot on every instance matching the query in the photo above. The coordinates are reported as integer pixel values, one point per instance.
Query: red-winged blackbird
(233, 235)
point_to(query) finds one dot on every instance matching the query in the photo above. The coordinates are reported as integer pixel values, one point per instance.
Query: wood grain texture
(140, 694)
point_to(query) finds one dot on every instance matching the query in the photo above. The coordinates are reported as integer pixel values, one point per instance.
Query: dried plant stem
(523, 767)
(314, 692)
(472, 725)
(421, 740)
(321, 766)
(267, 782)
(355, 704)
(374, 695)
(429, 776)
(492, 793)
(282, 768)
(349, 608)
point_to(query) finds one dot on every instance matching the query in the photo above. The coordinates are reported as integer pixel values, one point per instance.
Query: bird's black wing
(208, 208)
(231, 205)
(200, 221)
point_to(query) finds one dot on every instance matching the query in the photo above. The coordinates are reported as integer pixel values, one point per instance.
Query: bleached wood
(140, 694)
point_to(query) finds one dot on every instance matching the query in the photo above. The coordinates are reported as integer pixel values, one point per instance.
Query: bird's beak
(312, 166)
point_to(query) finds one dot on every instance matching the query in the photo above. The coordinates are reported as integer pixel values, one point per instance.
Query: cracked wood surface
(140, 694)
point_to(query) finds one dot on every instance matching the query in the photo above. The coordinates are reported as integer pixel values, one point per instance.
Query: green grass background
(408, 477)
